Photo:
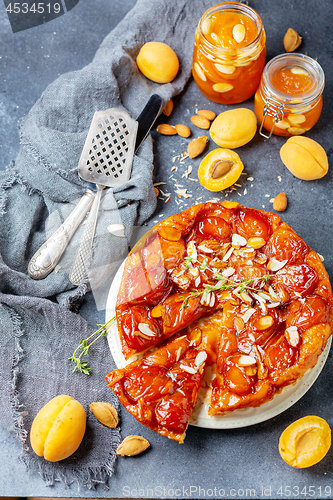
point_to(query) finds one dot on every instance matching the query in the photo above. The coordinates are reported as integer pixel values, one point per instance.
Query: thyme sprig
(85, 345)
(223, 283)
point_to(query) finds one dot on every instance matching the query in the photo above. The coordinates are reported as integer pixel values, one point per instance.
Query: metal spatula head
(108, 152)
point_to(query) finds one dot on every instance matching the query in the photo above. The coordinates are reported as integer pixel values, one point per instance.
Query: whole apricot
(58, 428)
(305, 158)
(234, 128)
(305, 442)
(220, 169)
(158, 62)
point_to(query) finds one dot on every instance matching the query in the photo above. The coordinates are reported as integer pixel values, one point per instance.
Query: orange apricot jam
(229, 53)
(289, 99)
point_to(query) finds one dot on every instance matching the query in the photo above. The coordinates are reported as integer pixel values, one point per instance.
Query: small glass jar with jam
(289, 99)
(229, 52)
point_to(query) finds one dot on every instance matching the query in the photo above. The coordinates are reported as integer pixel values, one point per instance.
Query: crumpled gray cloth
(39, 329)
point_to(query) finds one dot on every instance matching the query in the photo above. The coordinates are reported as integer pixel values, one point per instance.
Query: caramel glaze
(161, 289)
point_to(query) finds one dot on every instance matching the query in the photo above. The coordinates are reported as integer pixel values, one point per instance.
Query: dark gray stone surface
(239, 463)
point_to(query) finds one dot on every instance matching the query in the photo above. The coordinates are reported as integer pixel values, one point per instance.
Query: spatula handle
(83, 252)
(48, 255)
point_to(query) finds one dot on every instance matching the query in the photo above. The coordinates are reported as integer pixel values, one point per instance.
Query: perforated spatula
(106, 160)
(48, 255)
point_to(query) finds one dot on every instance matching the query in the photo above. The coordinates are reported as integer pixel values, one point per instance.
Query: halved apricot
(220, 169)
(305, 442)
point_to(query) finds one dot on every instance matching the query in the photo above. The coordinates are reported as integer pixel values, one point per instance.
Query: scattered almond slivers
(200, 358)
(238, 240)
(144, 328)
(245, 360)
(292, 336)
(276, 265)
(247, 315)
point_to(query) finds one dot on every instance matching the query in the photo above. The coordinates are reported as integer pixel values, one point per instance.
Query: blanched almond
(199, 72)
(238, 32)
(264, 323)
(222, 87)
(132, 445)
(256, 242)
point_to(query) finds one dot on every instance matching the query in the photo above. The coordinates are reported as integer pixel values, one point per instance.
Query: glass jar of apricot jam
(229, 52)
(289, 98)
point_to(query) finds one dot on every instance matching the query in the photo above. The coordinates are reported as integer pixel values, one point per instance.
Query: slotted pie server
(106, 160)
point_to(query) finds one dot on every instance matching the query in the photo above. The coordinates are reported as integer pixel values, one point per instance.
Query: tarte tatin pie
(223, 286)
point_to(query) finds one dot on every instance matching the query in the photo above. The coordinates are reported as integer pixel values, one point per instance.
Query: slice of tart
(160, 390)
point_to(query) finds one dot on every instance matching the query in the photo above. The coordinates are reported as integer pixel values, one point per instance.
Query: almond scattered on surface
(206, 113)
(168, 108)
(105, 413)
(183, 130)
(200, 122)
(132, 445)
(166, 129)
(280, 202)
(197, 146)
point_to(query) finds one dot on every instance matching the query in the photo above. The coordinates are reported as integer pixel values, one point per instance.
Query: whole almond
(166, 129)
(197, 146)
(200, 122)
(280, 202)
(168, 108)
(206, 113)
(105, 413)
(183, 130)
(132, 445)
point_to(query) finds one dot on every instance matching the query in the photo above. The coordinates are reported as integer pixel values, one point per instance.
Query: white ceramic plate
(238, 418)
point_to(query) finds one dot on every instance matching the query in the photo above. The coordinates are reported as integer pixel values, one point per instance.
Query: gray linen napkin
(38, 328)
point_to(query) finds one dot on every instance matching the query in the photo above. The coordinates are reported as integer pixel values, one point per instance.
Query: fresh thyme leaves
(85, 345)
(193, 294)
(222, 284)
